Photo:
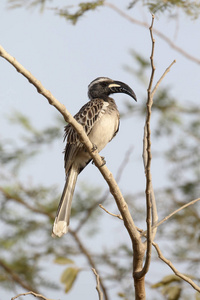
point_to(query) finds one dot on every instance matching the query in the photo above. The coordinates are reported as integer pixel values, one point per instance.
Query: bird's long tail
(61, 222)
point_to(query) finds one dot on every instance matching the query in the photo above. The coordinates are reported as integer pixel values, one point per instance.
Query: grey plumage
(100, 120)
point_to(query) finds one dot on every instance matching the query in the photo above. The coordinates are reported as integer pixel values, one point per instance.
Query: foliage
(189, 7)
(27, 4)
(82, 9)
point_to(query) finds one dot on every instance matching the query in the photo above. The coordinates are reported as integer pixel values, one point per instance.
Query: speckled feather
(88, 115)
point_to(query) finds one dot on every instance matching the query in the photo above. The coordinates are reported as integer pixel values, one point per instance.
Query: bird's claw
(94, 147)
(103, 161)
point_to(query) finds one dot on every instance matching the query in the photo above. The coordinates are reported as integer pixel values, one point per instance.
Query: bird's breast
(104, 129)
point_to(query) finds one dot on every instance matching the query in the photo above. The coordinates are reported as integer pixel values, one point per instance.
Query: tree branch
(80, 244)
(31, 293)
(176, 272)
(119, 217)
(161, 78)
(89, 258)
(114, 189)
(171, 214)
(15, 276)
(157, 32)
(147, 158)
(98, 284)
(18, 199)
(114, 215)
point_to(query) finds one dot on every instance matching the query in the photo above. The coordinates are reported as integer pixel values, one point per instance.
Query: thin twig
(147, 134)
(85, 252)
(15, 277)
(161, 78)
(31, 293)
(157, 32)
(98, 288)
(90, 260)
(171, 214)
(114, 215)
(151, 203)
(19, 200)
(119, 217)
(176, 272)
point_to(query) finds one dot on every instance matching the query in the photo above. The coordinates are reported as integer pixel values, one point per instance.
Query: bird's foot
(94, 147)
(103, 161)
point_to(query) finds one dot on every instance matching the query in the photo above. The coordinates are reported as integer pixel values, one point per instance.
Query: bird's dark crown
(102, 87)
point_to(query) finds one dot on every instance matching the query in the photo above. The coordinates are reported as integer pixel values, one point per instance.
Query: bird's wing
(87, 117)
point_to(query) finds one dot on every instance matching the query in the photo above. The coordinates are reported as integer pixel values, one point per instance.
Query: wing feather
(87, 117)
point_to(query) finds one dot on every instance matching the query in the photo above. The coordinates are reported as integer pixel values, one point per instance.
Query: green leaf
(166, 280)
(63, 261)
(172, 292)
(68, 278)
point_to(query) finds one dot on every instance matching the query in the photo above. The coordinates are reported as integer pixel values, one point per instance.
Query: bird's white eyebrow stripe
(113, 85)
(98, 80)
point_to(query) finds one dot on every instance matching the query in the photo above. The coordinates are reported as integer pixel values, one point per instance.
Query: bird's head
(102, 87)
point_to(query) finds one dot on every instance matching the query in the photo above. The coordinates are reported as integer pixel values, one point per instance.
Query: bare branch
(161, 78)
(150, 197)
(15, 277)
(19, 200)
(89, 259)
(114, 215)
(98, 285)
(31, 293)
(137, 244)
(147, 159)
(157, 32)
(119, 217)
(80, 244)
(176, 272)
(174, 212)
(114, 189)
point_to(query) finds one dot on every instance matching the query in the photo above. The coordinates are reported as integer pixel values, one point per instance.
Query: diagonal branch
(176, 272)
(114, 189)
(147, 158)
(15, 277)
(137, 245)
(78, 241)
(114, 215)
(171, 214)
(41, 297)
(84, 250)
(161, 78)
(156, 31)
(98, 284)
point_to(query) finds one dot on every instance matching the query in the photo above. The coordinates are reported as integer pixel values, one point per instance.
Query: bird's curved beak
(121, 87)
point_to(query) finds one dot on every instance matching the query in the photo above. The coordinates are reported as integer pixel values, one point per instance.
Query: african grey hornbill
(100, 120)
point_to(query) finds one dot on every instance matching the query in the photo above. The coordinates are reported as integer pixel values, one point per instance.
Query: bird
(100, 119)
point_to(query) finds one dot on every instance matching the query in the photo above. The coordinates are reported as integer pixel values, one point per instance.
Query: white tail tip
(59, 228)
